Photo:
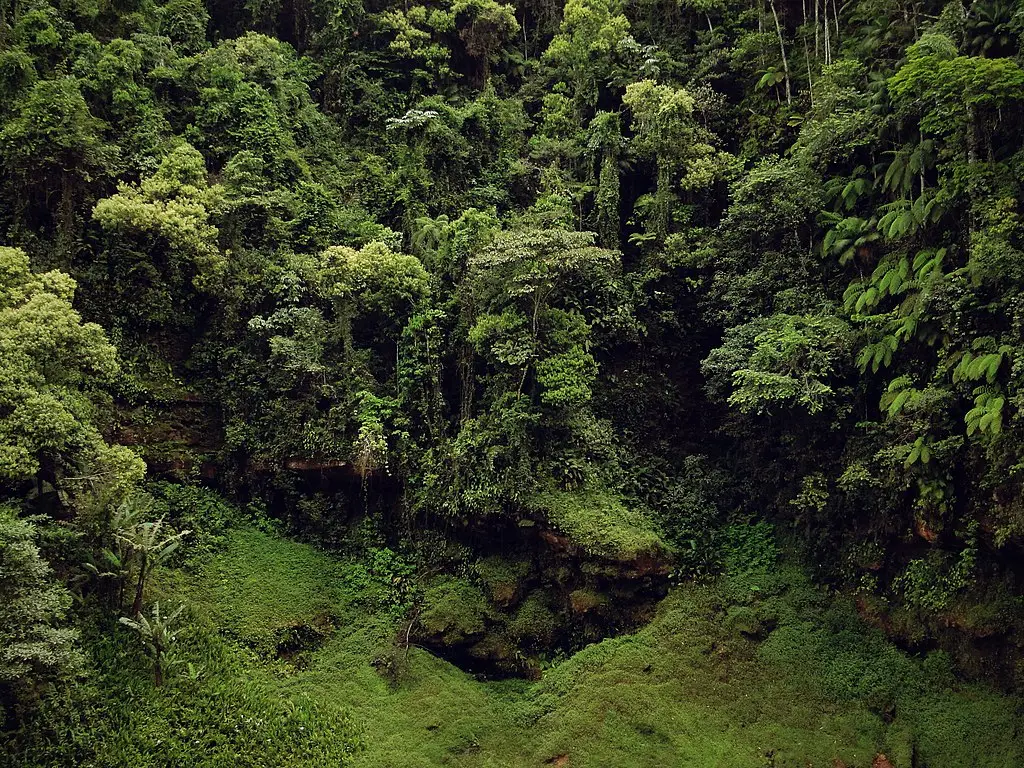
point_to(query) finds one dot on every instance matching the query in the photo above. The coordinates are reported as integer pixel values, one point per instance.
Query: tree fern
(987, 414)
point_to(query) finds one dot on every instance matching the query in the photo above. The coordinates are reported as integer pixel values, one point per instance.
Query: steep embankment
(294, 658)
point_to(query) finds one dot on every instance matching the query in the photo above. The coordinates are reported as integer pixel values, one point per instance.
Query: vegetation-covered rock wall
(564, 303)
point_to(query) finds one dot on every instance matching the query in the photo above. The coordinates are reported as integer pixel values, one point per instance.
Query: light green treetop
(174, 207)
(51, 364)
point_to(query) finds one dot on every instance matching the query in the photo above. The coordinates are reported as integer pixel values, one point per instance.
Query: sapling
(157, 635)
(149, 543)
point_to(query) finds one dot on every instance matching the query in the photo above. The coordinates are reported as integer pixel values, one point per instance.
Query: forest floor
(282, 663)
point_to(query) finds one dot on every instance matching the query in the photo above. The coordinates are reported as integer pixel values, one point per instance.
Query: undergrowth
(279, 665)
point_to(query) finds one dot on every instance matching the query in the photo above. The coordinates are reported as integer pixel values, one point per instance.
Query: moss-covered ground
(289, 651)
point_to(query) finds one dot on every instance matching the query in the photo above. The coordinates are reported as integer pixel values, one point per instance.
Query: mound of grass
(969, 726)
(692, 688)
(264, 590)
(217, 708)
(437, 716)
(680, 693)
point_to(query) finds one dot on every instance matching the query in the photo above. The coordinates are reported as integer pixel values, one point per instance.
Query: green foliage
(792, 362)
(691, 514)
(53, 144)
(157, 635)
(143, 545)
(535, 622)
(600, 523)
(53, 369)
(185, 23)
(357, 260)
(664, 128)
(539, 299)
(586, 51)
(373, 285)
(385, 582)
(932, 582)
(952, 85)
(218, 706)
(38, 647)
(204, 513)
(169, 212)
(818, 686)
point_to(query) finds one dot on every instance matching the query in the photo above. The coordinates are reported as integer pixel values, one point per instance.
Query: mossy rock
(455, 612)
(535, 624)
(499, 653)
(600, 524)
(583, 601)
(503, 578)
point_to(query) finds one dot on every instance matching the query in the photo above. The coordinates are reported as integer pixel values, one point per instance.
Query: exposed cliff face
(539, 593)
(176, 434)
(981, 634)
(572, 569)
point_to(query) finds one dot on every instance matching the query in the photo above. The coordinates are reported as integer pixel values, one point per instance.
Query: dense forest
(462, 383)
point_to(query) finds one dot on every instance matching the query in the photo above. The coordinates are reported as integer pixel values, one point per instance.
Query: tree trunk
(828, 35)
(139, 587)
(782, 48)
(817, 51)
(835, 18)
(467, 382)
(810, 78)
(972, 159)
(526, 47)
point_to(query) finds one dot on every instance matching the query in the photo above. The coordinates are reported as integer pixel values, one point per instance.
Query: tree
(53, 146)
(537, 303)
(34, 646)
(515, 282)
(484, 27)
(185, 22)
(52, 370)
(162, 241)
(587, 51)
(791, 362)
(666, 131)
(147, 544)
(374, 290)
(157, 635)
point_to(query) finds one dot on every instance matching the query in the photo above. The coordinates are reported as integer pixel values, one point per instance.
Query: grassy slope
(688, 690)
